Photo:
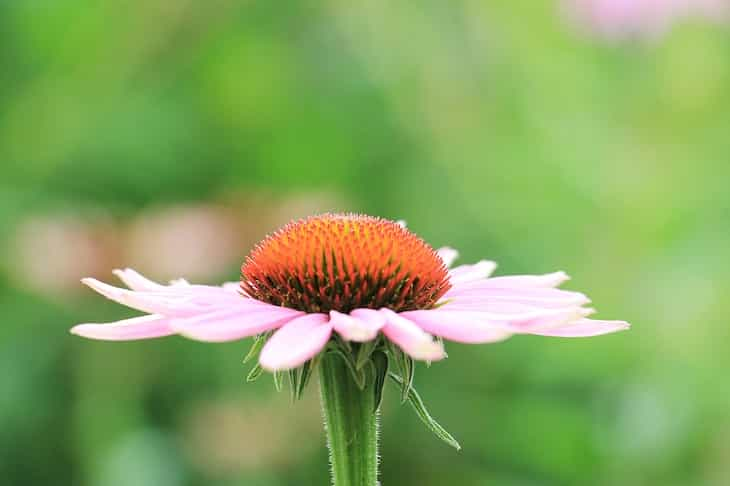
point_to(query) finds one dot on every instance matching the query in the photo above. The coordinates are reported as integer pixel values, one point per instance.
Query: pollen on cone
(343, 262)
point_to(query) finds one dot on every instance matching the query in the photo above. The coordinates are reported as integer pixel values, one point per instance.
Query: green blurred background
(171, 135)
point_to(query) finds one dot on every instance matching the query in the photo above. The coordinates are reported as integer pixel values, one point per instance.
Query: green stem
(351, 423)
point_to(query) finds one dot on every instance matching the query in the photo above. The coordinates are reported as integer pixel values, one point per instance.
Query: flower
(617, 20)
(357, 277)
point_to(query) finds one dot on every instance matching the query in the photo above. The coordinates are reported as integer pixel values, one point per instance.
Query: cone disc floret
(343, 262)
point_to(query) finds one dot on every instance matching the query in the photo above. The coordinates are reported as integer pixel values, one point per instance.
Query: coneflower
(357, 298)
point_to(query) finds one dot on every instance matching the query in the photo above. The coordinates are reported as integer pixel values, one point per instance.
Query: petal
(499, 307)
(552, 319)
(470, 273)
(448, 255)
(371, 316)
(463, 327)
(234, 287)
(136, 281)
(144, 327)
(154, 303)
(536, 296)
(360, 326)
(547, 280)
(585, 328)
(175, 301)
(411, 338)
(517, 318)
(208, 293)
(296, 342)
(232, 324)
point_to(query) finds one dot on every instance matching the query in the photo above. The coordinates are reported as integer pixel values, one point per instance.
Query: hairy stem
(351, 423)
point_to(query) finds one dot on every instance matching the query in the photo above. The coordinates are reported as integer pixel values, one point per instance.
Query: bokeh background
(170, 135)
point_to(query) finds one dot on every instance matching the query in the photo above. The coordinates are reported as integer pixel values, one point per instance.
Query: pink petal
(373, 317)
(411, 338)
(584, 328)
(232, 324)
(296, 342)
(548, 320)
(144, 327)
(154, 303)
(516, 318)
(472, 302)
(463, 327)
(136, 281)
(208, 294)
(536, 296)
(360, 326)
(512, 281)
(500, 307)
(233, 287)
(174, 301)
(178, 287)
(470, 273)
(448, 255)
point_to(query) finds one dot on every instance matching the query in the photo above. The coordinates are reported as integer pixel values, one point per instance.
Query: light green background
(489, 126)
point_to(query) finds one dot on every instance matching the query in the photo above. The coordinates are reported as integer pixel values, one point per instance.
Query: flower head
(342, 263)
(337, 279)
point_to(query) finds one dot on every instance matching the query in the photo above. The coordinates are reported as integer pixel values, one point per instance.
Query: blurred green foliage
(488, 126)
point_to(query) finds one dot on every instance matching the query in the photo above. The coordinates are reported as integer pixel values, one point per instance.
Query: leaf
(380, 363)
(420, 408)
(254, 374)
